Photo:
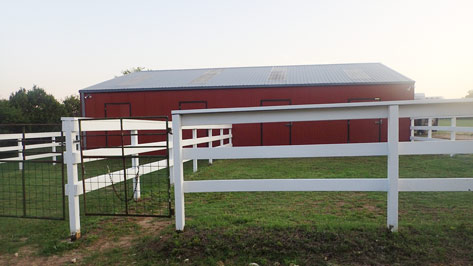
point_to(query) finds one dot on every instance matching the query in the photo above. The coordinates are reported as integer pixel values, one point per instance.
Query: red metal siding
(158, 103)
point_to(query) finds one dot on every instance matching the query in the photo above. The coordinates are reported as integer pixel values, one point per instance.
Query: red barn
(156, 93)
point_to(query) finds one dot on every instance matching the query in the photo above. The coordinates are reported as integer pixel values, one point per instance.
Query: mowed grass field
(272, 228)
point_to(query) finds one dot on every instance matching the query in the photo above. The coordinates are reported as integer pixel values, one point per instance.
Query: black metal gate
(32, 171)
(125, 167)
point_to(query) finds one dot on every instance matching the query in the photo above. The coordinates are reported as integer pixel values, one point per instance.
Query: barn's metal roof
(252, 77)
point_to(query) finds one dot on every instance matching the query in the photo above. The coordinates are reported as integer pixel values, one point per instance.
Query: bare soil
(282, 246)
(26, 255)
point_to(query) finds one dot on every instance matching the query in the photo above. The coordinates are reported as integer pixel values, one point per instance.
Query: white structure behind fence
(322, 112)
(452, 129)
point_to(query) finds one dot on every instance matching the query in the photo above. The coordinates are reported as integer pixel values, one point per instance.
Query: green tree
(10, 114)
(470, 94)
(71, 106)
(37, 106)
(132, 70)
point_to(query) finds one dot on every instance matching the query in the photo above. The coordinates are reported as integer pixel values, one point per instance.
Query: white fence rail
(392, 149)
(21, 147)
(453, 129)
(75, 188)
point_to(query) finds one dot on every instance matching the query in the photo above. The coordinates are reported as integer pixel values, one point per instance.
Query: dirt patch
(26, 255)
(446, 135)
(150, 225)
(372, 209)
(19, 258)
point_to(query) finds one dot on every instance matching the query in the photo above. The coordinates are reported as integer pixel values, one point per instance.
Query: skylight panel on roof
(204, 78)
(277, 74)
(357, 74)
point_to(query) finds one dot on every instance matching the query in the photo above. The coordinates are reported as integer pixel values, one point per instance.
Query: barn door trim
(105, 115)
(380, 121)
(105, 107)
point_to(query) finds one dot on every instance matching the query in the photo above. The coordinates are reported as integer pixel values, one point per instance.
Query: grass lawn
(273, 228)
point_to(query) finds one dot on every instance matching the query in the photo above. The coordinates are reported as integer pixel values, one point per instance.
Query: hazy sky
(64, 46)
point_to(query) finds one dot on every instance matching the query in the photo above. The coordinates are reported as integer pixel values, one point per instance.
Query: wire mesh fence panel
(11, 190)
(32, 171)
(125, 172)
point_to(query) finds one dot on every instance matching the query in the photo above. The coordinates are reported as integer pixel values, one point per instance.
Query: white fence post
(20, 154)
(71, 158)
(178, 173)
(221, 134)
(194, 161)
(453, 124)
(429, 124)
(170, 155)
(453, 133)
(412, 129)
(53, 149)
(230, 137)
(210, 144)
(135, 164)
(393, 167)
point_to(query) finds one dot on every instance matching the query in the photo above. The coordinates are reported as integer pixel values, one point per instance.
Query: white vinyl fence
(21, 147)
(322, 112)
(72, 156)
(453, 129)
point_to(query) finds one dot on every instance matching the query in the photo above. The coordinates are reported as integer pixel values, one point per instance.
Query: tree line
(35, 106)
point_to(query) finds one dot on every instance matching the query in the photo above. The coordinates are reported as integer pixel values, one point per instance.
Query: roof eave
(407, 82)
